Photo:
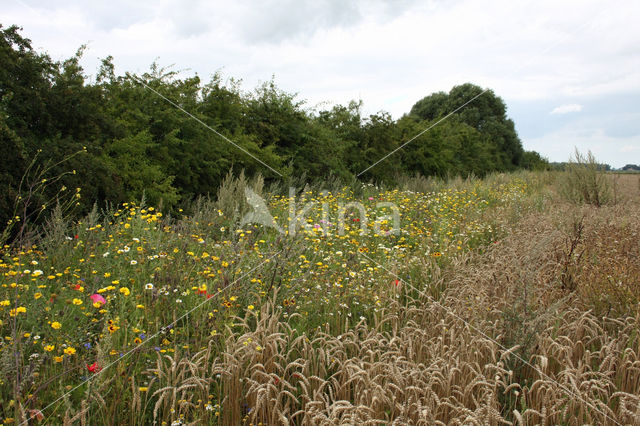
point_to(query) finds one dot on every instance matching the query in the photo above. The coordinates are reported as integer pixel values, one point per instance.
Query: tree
(122, 140)
(531, 160)
(486, 113)
(25, 82)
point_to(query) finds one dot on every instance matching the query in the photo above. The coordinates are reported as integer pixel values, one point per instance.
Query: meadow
(495, 301)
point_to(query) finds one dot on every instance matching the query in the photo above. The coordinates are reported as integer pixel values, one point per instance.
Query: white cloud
(564, 109)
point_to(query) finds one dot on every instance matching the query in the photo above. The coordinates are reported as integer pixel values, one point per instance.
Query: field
(490, 301)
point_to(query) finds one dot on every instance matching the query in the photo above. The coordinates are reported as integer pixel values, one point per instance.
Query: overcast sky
(569, 71)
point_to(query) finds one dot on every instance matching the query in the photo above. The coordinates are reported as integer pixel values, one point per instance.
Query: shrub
(583, 182)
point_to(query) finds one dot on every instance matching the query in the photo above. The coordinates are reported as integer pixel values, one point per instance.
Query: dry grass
(460, 360)
(506, 343)
(541, 327)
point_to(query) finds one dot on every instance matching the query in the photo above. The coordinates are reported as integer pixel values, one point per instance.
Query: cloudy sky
(569, 71)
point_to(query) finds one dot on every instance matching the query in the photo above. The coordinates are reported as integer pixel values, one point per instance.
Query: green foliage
(495, 143)
(531, 160)
(137, 140)
(128, 159)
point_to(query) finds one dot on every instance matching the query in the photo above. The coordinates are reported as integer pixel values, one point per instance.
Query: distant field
(490, 301)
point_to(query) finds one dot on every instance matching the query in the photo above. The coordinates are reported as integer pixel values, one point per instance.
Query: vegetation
(488, 297)
(468, 296)
(583, 182)
(134, 142)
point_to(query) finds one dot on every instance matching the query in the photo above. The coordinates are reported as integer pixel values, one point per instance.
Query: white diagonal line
(207, 126)
(524, 65)
(425, 130)
(452, 313)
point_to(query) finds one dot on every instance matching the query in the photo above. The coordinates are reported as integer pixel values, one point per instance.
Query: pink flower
(96, 298)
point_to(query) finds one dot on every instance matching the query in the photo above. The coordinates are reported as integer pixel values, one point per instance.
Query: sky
(568, 71)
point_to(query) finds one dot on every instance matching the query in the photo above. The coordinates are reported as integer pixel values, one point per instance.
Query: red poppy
(397, 282)
(93, 368)
(37, 414)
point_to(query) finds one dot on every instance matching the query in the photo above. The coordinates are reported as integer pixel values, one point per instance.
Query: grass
(583, 182)
(496, 302)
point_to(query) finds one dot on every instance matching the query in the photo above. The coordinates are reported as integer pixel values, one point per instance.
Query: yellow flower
(125, 291)
(49, 348)
(143, 389)
(69, 351)
(251, 307)
(58, 358)
(56, 325)
(77, 302)
(19, 310)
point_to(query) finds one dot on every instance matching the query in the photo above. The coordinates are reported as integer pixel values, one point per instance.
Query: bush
(583, 182)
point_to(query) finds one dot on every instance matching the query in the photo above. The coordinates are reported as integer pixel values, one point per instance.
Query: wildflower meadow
(130, 316)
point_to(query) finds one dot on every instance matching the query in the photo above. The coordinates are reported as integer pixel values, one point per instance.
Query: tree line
(129, 141)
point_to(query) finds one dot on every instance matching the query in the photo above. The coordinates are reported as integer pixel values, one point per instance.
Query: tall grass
(495, 305)
(584, 182)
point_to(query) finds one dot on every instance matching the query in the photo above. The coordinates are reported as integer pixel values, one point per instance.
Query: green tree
(381, 136)
(128, 162)
(486, 113)
(25, 82)
(531, 160)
